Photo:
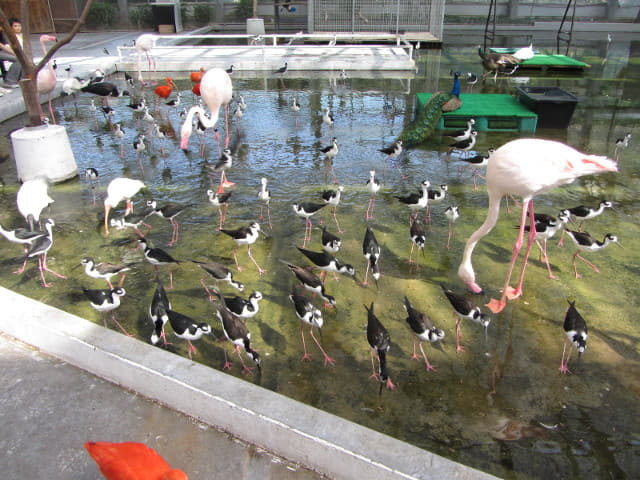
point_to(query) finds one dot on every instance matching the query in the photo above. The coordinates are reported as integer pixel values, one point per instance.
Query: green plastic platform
(491, 111)
(544, 62)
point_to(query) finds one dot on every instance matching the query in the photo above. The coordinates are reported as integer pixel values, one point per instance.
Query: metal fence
(389, 16)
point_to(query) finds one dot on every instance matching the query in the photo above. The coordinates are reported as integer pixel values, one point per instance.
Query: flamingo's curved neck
(206, 121)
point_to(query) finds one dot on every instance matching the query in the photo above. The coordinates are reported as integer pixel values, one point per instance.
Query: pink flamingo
(144, 44)
(526, 167)
(215, 90)
(46, 79)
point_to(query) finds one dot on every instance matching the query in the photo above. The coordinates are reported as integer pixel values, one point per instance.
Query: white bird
(32, 198)
(524, 53)
(264, 195)
(120, 189)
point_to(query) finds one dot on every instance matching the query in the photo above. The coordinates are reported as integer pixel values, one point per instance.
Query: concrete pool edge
(302, 434)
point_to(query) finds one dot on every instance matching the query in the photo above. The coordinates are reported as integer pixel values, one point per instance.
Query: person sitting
(14, 73)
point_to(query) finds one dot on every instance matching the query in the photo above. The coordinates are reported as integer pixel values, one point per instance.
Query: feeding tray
(554, 106)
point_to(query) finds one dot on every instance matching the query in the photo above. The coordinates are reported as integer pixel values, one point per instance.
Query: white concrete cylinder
(255, 26)
(43, 151)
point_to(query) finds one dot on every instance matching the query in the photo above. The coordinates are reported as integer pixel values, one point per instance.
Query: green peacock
(425, 122)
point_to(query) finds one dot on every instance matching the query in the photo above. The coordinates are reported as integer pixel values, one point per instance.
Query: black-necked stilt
(132, 220)
(39, 248)
(120, 189)
(418, 238)
(583, 213)
(332, 150)
(423, 328)
(168, 211)
(242, 105)
(105, 270)
(416, 201)
(295, 108)
(282, 70)
(332, 197)
(161, 134)
(464, 145)
(472, 79)
(92, 174)
(393, 151)
(218, 272)
(373, 186)
(188, 329)
(435, 196)
(622, 143)
(312, 316)
(106, 301)
(223, 164)
(119, 133)
(327, 117)
(32, 198)
(306, 210)
(586, 243)
(371, 251)
(463, 134)
(464, 308)
(380, 343)
(330, 242)
(157, 256)
(328, 263)
(245, 236)
(218, 199)
(175, 102)
(476, 162)
(452, 213)
(236, 331)
(312, 282)
(158, 308)
(575, 329)
(23, 236)
(139, 146)
(264, 195)
(242, 307)
(546, 227)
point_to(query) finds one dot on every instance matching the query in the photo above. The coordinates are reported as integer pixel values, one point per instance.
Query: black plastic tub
(553, 105)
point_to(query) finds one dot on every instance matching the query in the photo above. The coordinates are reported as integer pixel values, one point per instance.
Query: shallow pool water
(500, 406)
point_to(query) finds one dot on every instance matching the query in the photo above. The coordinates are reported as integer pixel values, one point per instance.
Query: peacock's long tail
(425, 122)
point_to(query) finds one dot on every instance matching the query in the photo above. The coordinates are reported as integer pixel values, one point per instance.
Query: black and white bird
(464, 145)
(622, 143)
(175, 102)
(423, 328)
(245, 236)
(188, 329)
(373, 186)
(452, 212)
(435, 196)
(380, 343)
(22, 235)
(236, 331)
(306, 210)
(158, 309)
(472, 79)
(119, 133)
(219, 273)
(328, 263)
(371, 251)
(105, 270)
(327, 117)
(330, 153)
(476, 162)
(106, 301)
(546, 227)
(312, 316)
(264, 195)
(418, 237)
(416, 201)
(243, 307)
(131, 220)
(217, 199)
(466, 309)
(39, 248)
(330, 242)
(586, 243)
(464, 133)
(295, 108)
(332, 197)
(157, 256)
(393, 151)
(575, 329)
(223, 164)
(282, 70)
(583, 213)
(312, 282)
(168, 211)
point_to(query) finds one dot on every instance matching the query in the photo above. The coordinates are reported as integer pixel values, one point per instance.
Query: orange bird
(197, 76)
(131, 461)
(196, 89)
(164, 91)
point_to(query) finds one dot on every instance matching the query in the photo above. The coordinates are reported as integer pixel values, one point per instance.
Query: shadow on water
(500, 405)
